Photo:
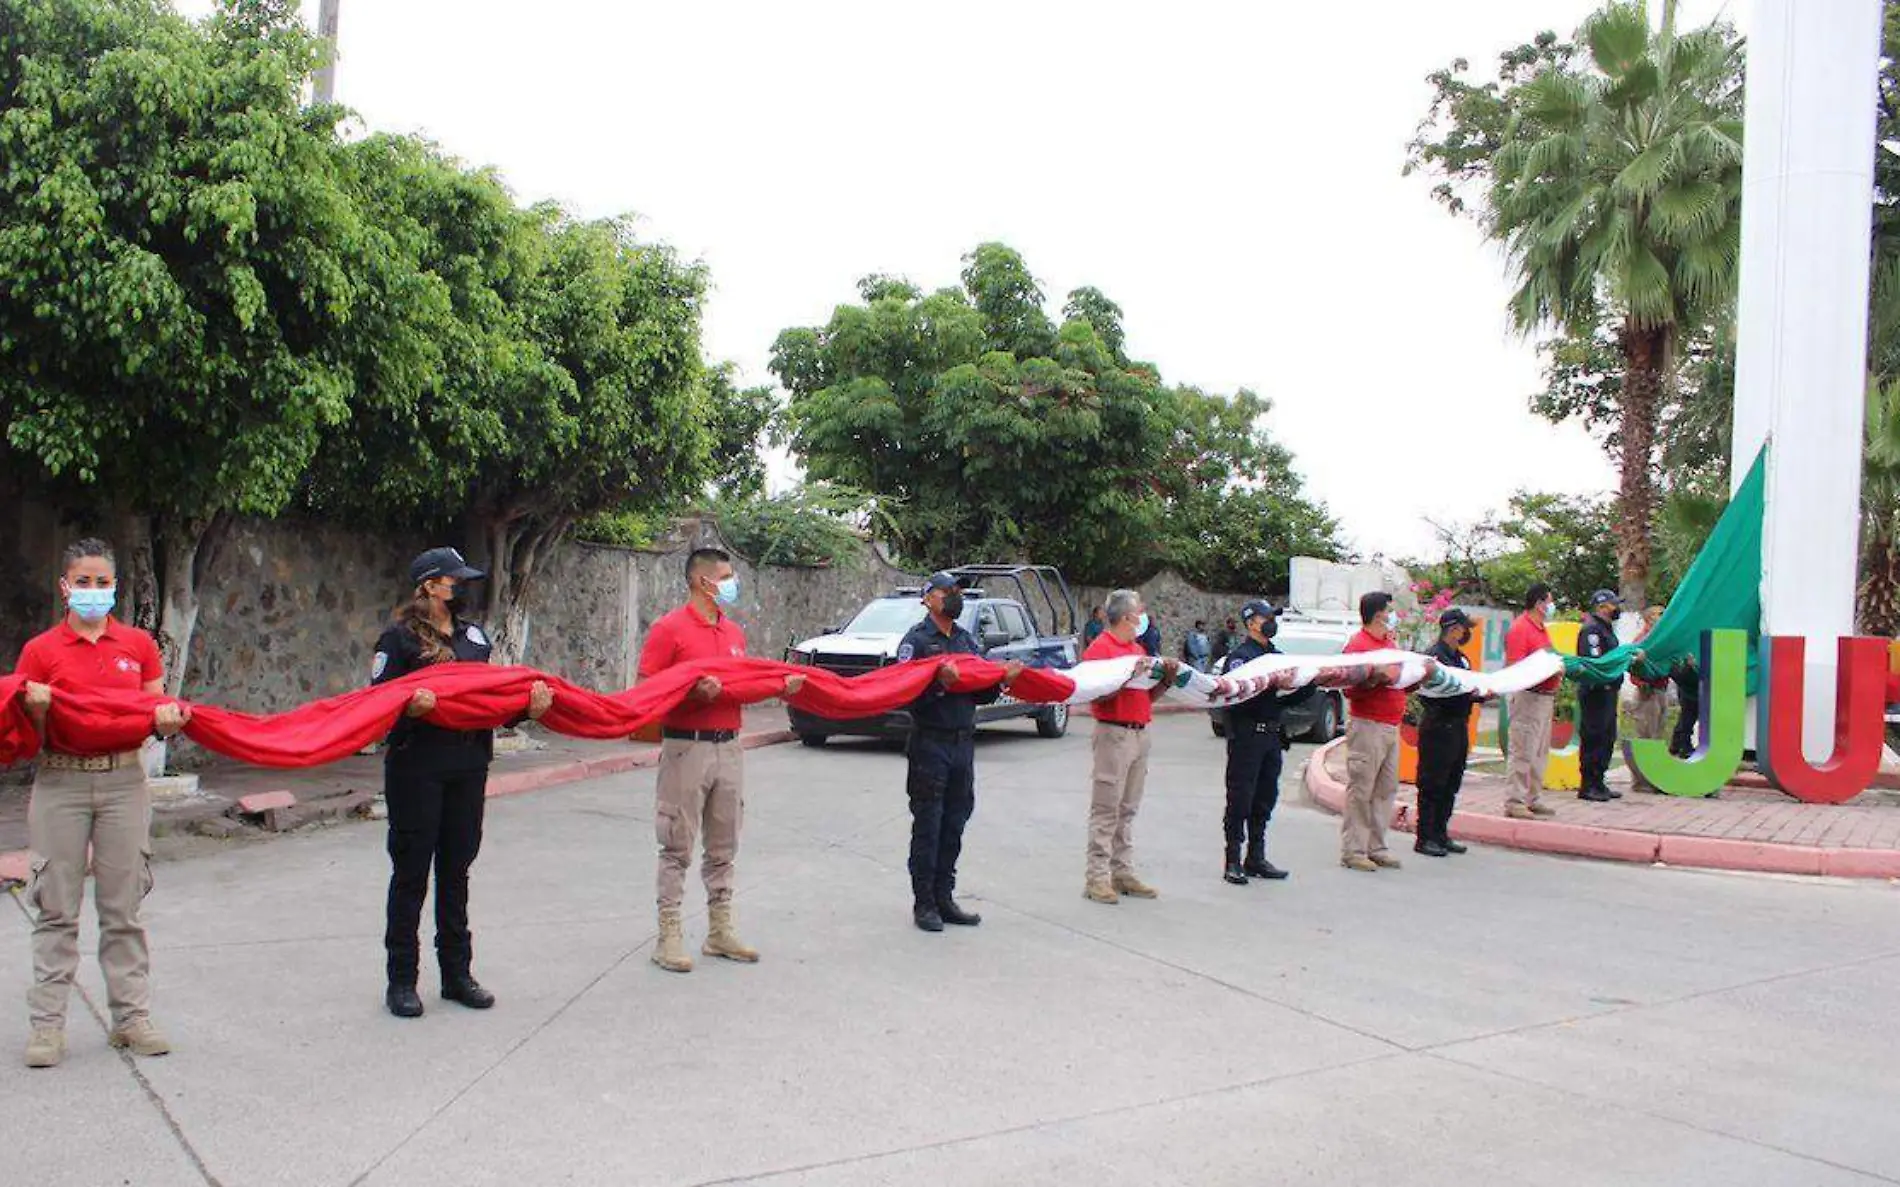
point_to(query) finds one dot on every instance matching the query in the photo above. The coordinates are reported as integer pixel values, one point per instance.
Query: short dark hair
(702, 558)
(1535, 594)
(1373, 605)
(79, 550)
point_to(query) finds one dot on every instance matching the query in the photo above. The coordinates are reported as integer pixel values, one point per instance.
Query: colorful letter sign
(1859, 718)
(1858, 722)
(1724, 674)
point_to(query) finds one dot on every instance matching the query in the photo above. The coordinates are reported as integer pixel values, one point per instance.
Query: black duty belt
(943, 735)
(1259, 727)
(1123, 725)
(673, 735)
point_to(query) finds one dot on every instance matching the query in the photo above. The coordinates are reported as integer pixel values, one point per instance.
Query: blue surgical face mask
(1141, 625)
(727, 591)
(91, 604)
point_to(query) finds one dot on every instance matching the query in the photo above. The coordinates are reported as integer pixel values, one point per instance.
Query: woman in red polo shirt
(95, 803)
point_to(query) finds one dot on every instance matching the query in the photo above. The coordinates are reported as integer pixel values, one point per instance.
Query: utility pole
(326, 74)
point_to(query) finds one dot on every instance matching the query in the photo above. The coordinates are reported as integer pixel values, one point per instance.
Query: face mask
(91, 605)
(1270, 628)
(952, 604)
(726, 592)
(1548, 609)
(1141, 625)
(1391, 621)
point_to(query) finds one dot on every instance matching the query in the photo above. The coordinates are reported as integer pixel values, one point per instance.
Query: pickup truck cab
(1006, 628)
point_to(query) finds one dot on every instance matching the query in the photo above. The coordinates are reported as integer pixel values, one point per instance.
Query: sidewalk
(1745, 828)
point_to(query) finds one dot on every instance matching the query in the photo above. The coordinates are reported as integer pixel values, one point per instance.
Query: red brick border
(1614, 844)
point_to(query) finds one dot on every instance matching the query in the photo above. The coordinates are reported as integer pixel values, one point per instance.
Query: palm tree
(1616, 191)
(1880, 513)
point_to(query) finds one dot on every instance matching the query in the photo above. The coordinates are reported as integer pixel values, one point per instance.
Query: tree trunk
(137, 571)
(186, 547)
(516, 544)
(1880, 586)
(1646, 362)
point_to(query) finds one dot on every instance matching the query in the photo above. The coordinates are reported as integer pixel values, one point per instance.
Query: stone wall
(1174, 604)
(290, 609)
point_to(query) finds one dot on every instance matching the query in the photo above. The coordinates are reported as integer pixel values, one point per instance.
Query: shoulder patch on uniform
(475, 635)
(379, 665)
(905, 651)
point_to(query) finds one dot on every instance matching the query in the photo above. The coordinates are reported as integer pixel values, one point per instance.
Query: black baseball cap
(1605, 595)
(1453, 617)
(1257, 609)
(942, 580)
(442, 562)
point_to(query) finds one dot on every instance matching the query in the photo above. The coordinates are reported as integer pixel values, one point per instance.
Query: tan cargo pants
(1120, 774)
(1649, 715)
(110, 813)
(1531, 714)
(1372, 785)
(701, 786)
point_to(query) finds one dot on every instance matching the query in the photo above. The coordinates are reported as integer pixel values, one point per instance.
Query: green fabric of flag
(1721, 590)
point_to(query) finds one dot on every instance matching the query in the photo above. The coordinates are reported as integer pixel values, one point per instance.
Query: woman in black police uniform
(435, 782)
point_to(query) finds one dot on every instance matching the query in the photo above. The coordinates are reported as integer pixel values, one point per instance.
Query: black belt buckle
(698, 735)
(1124, 725)
(1265, 727)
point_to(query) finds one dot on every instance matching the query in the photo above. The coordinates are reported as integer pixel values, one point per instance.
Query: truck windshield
(886, 616)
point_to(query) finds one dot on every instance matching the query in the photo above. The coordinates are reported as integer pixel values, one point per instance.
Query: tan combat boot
(1100, 892)
(670, 952)
(46, 1048)
(141, 1037)
(722, 940)
(1134, 887)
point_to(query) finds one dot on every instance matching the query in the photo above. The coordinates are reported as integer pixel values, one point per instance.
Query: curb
(516, 782)
(16, 865)
(1615, 844)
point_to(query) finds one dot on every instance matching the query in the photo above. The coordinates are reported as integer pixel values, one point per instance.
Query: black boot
(951, 913)
(1259, 867)
(403, 1001)
(927, 916)
(1430, 848)
(1451, 846)
(1234, 873)
(465, 989)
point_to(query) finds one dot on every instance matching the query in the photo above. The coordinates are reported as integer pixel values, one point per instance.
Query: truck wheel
(1053, 722)
(1327, 727)
(815, 741)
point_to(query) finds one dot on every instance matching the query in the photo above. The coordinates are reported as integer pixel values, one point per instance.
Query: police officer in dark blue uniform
(1596, 701)
(435, 784)
(1254, 754)
(942, 752)
(1444, 742)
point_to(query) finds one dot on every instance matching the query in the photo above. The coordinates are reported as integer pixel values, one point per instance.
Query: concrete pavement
(1497, 1017)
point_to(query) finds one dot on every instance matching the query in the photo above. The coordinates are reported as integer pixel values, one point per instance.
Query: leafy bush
(813, 526)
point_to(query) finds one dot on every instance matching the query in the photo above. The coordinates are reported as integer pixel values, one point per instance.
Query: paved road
(1497, 1018)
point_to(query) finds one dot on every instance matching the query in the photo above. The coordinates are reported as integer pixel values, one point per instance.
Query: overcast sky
(1228, 173)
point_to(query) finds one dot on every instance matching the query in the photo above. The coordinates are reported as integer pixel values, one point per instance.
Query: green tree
(181, 270)
(1074, 455)
(1567, 541)
(1612, 178)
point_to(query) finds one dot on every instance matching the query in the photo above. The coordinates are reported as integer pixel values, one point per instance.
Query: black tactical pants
(435, 821)
(942, 788)
(1254, 756)
(1444, 743)
(1596, 727)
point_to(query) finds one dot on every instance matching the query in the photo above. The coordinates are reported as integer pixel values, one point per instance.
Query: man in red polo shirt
(1372, 744)
(96, 803)
(702, 766)
(1531, 710)
(1120, 756)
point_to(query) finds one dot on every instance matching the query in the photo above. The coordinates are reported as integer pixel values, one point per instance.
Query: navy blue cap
(442, 562)
(1257, 609)
(1605, 595)
(1453, 617)
(943, 580)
